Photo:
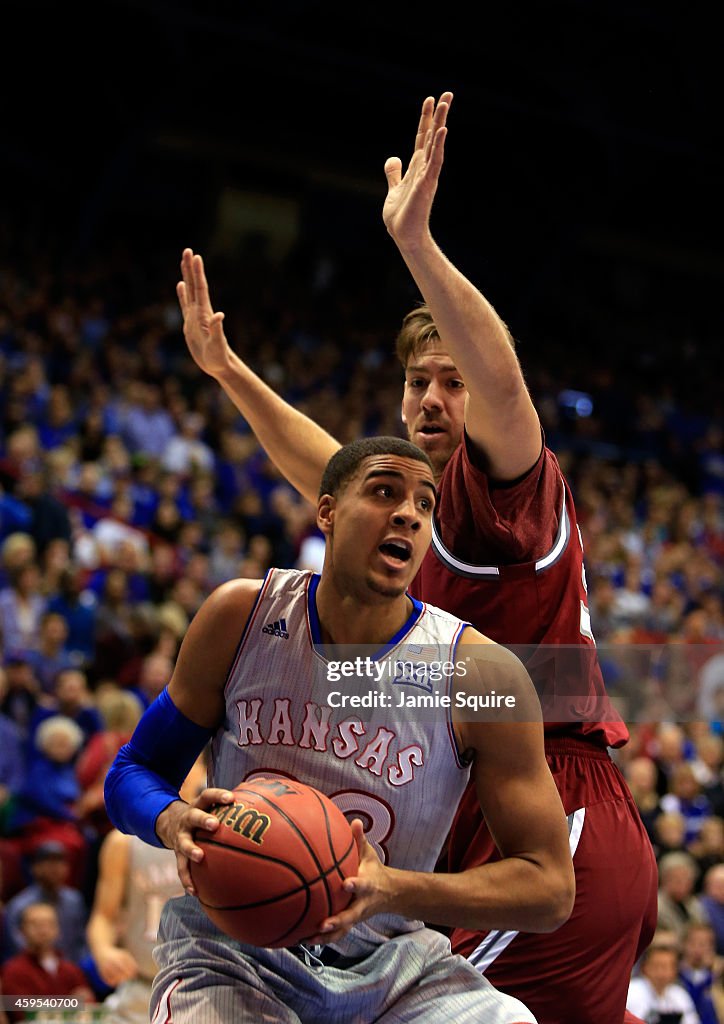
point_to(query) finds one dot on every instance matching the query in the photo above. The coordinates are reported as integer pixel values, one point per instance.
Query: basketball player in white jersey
(262, 693)
(134, 882)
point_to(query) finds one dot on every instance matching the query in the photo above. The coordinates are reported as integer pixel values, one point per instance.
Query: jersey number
(375, 815)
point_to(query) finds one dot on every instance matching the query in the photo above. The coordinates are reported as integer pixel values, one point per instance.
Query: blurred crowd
(130, 488)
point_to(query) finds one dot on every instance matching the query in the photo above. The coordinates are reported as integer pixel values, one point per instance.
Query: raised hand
(406, 212)
(203, 328)
(116, 965)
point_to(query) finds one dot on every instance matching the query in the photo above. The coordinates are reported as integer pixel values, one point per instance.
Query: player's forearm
(101, 936)
(167, 823)
(296, 445)
(513, 894)
(477, 338)
(500, 417)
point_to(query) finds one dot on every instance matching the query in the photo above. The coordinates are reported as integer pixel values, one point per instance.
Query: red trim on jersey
(247, 628)
(166, 999)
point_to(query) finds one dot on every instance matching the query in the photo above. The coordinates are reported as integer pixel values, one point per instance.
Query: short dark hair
(346, 460)
(50, 850)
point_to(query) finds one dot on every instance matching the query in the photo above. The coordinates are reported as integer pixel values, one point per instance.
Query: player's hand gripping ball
(273, 869)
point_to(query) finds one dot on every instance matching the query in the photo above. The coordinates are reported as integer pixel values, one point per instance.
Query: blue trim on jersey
(316, 629)
(314, 625)
(457, 752)
(412, 618)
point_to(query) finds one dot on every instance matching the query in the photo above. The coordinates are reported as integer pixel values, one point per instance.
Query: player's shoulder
(434, 615)
(489, 652)
(472, 636)
(237, 590)
(486, 650)
(442, 626)
(235, 600)
(235, 597)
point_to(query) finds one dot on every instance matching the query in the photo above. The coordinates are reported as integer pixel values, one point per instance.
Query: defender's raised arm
(296, 445)
(500, 417)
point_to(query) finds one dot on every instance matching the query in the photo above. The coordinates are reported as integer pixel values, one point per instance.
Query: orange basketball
(273, 870)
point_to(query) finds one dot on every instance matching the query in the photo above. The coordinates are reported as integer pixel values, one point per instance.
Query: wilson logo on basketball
(278, 895)
(245, 821)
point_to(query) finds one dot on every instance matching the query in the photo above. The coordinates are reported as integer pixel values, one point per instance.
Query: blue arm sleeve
(148, 771)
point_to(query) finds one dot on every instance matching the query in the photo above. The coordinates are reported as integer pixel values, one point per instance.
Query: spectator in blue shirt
(78, 607)
(72, 698)
(21, 691)
(12, 761)
(146, 426)
(49, 869)
(686, 797)
(52, 655)
(46, 805)
(22, 606)
(712, 902)
(15, 516)
(696, 969)
(49, 518)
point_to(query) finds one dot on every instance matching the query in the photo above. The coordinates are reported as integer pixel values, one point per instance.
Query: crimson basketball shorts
(578, 974)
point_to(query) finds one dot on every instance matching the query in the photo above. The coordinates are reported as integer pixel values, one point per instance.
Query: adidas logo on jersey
(278, 628)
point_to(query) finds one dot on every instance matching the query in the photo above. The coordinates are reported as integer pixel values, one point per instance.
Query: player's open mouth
(396, 551)
(432, 428)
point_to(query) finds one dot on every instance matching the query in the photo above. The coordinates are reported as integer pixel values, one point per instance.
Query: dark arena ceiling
(575, 125)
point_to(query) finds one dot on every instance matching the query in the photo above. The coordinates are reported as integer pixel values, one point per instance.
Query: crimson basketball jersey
(397, 771)
(509, 560)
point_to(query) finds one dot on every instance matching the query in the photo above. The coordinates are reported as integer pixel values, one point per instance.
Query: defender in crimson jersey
(512, 557)
(506, 556)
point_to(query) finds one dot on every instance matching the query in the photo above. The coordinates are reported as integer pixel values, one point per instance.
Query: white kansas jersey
(395, 769)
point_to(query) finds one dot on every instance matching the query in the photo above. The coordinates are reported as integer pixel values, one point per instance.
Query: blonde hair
(418, 329)
(172, 616)
(14, 543)
(120, 710)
